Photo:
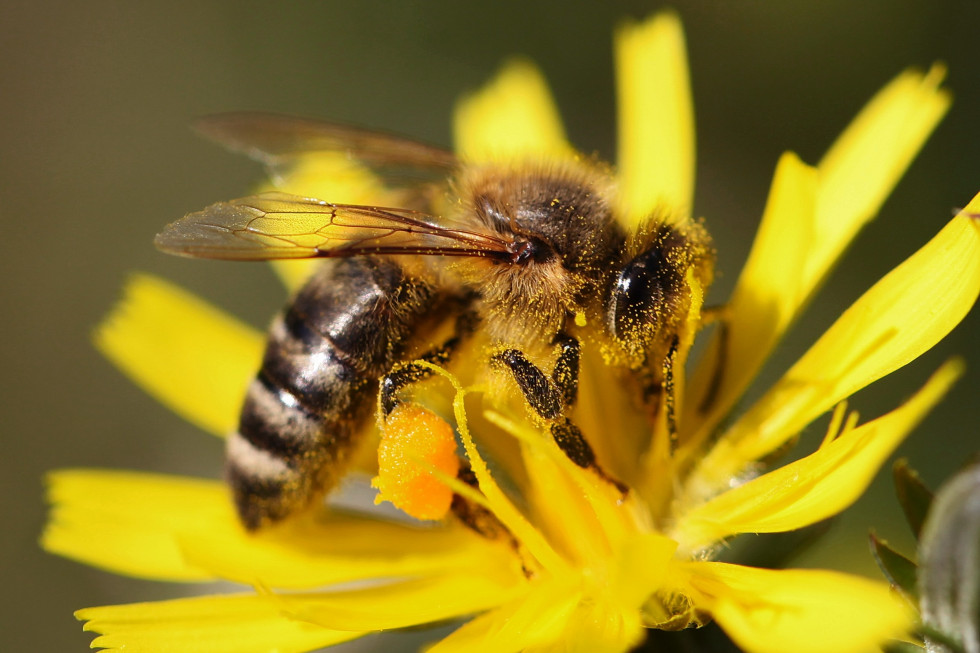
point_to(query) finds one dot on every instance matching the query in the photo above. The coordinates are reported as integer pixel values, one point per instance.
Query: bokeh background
(96, 155)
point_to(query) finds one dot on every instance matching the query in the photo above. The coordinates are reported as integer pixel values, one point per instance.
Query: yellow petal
(770, 611)
(642, 563)
(332, 177)
(293, 272)
(763, 304)
(607, 415)
(600, 626)
(552, 618)
(209, 624)
(557, 614)
(193, 358)
(513, 117)
(656, 119)
(171, 528)
(898, 319)
(609, 615)
(859, 171)
(852, 181)
(405, 604)
(578, 511)
(329, 176)
(569, 513)
(127, 522)
(815, 487)
(536, 619)
(338, 548)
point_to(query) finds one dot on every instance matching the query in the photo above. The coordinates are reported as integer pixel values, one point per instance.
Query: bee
(530, 255)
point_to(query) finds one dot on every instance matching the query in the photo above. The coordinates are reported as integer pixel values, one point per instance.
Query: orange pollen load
(414, 441)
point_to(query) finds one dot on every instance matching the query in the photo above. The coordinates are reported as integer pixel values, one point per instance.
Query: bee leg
(481, 520)
(565, 374)
(568, 436)
(542, 394)
(474, 516)
(405, 374)
(549, 397)
(669, 396)
(660, 393)
(570, 440)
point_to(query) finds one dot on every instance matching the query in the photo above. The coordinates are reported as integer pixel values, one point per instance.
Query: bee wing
(279, 226)
(276, 140)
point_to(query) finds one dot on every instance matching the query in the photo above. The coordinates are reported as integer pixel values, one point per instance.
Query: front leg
(547, 396)
(550, 396)
(565, 374)
(541, 392)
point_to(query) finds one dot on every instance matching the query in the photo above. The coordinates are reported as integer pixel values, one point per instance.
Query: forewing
(280, 226)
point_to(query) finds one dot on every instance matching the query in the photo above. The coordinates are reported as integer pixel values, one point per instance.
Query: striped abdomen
(317, 384)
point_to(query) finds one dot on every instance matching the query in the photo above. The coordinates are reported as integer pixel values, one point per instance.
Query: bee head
(643, 294)
(649, 296)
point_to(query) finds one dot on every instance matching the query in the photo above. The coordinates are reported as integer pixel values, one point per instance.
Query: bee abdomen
(315, 389)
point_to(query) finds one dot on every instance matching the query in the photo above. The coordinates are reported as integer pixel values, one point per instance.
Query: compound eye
(640, 295)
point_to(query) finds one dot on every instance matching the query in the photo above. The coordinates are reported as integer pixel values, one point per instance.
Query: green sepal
(896, 646)
(913, 495)
(949, 564)
(899, 570)
(941, 642)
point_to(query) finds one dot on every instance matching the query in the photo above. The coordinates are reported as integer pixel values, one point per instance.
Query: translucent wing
(278, 226)
(275, 139)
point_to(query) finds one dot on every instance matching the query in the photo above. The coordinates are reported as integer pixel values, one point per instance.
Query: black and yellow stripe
(319, 375)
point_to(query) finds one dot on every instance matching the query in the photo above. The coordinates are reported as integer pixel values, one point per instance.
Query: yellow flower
(585, 569)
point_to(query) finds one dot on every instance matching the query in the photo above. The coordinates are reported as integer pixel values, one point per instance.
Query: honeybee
(530, 255)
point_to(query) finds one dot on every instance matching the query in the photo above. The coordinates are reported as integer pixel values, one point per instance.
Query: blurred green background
(96, 155)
